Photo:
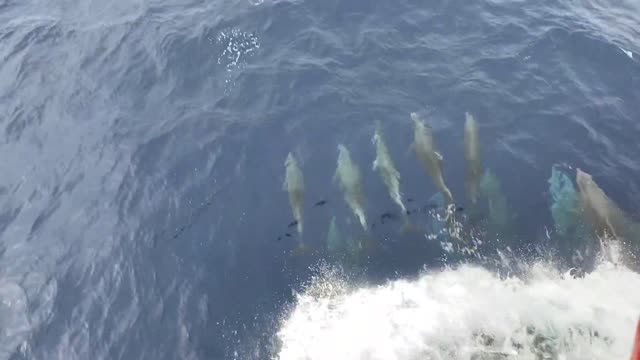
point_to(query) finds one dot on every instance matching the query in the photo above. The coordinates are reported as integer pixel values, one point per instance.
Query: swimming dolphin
(472, 158)
(335, 241)
(383, 164)
(605, 216)
(564, 201)
(294, 185)
(425, 148)
(350, 182)
(499, 215)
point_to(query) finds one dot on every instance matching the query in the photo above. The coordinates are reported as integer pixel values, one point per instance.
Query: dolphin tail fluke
(448, 197)
(363, 221)
(403, 208)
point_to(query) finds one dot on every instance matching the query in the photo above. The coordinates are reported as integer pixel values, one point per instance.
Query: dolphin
(472, 158)
(383, 164)
(350, 182)
(294, 185)
(499, 213)
(425, 148)
(604, 215)
(335, 241)
(564, 201)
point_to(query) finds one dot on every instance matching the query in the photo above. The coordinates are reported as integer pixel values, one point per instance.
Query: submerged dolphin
(350, 182)
(472, 158)
(499, 213)
(383, 164)
(425, 149)
(340, 247)
(564, 201)
(604, 215)
(347, 251)
(294, 185)
(335, 242)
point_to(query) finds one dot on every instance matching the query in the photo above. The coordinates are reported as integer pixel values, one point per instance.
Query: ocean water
(142, 155)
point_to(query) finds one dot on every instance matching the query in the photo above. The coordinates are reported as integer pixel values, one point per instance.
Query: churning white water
(467, 313)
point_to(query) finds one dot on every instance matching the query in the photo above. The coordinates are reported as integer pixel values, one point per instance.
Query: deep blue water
(143, 144)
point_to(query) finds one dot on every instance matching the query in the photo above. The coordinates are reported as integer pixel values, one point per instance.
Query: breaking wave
(468, 312)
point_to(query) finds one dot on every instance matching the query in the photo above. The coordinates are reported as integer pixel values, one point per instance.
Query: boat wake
(468, 312)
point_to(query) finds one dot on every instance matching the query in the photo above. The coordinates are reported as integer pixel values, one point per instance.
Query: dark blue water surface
(143, 144)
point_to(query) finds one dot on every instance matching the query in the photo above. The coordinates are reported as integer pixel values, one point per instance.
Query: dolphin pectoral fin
(320, 203)
(438, 156)
(375, 164)
(363, 222)
(387, 216)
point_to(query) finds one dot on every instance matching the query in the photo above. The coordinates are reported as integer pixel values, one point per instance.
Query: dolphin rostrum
(425, 148)
(294, 185)
(350, 182)
(472, 158)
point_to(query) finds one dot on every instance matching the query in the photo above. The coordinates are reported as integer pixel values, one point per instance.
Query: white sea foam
(14, 320)
(467, 313)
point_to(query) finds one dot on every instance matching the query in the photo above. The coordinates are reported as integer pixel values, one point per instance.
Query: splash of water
(468, 313)
(237, 46)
